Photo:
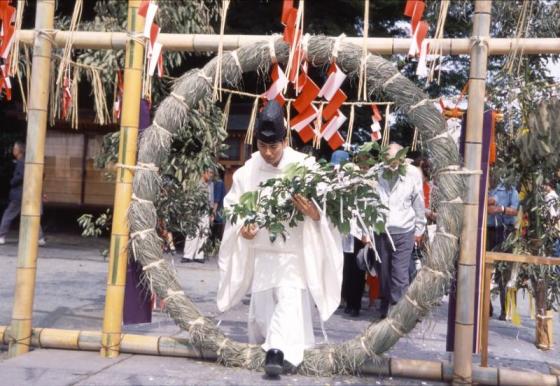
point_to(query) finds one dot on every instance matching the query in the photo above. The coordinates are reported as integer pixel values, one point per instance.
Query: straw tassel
(227, 108)
(386, 131)
(288, 117)
(362, 84)
(414, 145)
(252, 121)
(217, 93)
(350, 129)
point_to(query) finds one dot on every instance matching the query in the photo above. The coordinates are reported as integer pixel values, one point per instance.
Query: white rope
(446, 234)
(159, 127)
(180, 99)
(390, 80)
(336, 46)
(171, 294)
(437, 273)
(414, 303)
(421, 103)
(442, 135)
(221, 346)
(142, 234)
(203, 75)
(153, 264)
(368, 353)
(456, 200)
(141, 200)
(305, 45)
(272, 51)
(392, 323)
(139, 166)
(236, 60)
(198, 321)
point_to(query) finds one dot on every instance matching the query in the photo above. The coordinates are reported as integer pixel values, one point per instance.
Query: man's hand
(419, 241)
(367, 241)
(493, 209)
(249, 231)
(306, 207)
(491, 201)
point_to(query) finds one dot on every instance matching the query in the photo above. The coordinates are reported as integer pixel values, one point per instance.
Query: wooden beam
(528, 259)
(209, 43)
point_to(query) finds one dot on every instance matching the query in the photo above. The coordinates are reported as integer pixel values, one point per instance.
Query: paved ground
(70, 294)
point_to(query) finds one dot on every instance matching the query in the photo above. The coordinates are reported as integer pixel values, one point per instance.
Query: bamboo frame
(491, 257)
(22, 311)
(180, 347)
(464, 321)
(210, 43)
(118, 252)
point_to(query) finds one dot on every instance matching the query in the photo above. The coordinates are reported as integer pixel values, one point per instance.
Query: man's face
(208, 175)
(271, 152)
(16, 151)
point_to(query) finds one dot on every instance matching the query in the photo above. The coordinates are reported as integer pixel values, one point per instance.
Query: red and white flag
(280, 81)
(148, 10)
(333, 83)
(376, 125)
(330, 132)
(419, 35)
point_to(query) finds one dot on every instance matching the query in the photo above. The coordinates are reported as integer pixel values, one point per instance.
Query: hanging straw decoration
(102, 115)
(362, 84)
(252, 121)
(288, 117)
(386, 130)
(227, 108)
(76, 16)
(414, 145)
(74, 92)
(217, 94)
(14, 53)
(436, 48)
(348, 142)
(521, 30)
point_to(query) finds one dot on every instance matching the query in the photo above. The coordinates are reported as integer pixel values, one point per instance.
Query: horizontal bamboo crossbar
(180, 347)
(529, 259)
(210, 43)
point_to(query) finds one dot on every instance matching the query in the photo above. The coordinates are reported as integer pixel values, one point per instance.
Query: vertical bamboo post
(466, 276)
(485, 317)
(118, 252)
(26, 270)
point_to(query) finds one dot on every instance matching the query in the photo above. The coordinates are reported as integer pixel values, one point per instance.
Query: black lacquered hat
(270, 126)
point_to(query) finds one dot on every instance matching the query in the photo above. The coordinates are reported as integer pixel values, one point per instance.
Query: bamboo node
(137, 37)
(478, 40)
(47, 33)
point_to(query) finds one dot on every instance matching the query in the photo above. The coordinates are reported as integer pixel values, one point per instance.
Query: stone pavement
(70, 294)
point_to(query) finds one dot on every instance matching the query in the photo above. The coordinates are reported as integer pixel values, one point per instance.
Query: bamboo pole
(118, 252)
(466, 275)
(26, 270)
(181, 347)
(210, 43)
(485, 317)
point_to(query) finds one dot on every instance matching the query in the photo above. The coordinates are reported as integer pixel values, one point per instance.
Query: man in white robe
(281, 275)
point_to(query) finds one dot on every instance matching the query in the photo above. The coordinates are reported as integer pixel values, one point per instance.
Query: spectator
(353, 279)
(218, 207)
(193, 245)
(16, 191)
(503, 203)
(400, 190)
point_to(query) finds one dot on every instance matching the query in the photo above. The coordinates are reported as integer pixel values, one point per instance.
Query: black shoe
(274, 362)
(347, 310)
(186, 260)
(355, 313)
(502, 317)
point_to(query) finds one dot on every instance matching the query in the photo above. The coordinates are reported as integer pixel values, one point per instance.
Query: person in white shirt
(406, 223)
(284, 275)
(553, 203)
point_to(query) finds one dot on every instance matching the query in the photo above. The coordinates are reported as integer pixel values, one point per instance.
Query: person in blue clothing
(503, 204)
(218, 207)
(13, 209)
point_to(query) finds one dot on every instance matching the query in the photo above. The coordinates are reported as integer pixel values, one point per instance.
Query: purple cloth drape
(137, 299)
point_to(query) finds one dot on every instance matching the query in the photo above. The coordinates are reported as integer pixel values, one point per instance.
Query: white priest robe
(280, 275)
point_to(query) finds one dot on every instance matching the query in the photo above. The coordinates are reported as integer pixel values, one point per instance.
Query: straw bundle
(382, 79)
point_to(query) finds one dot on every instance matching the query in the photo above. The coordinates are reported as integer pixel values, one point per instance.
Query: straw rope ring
(381, 78)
